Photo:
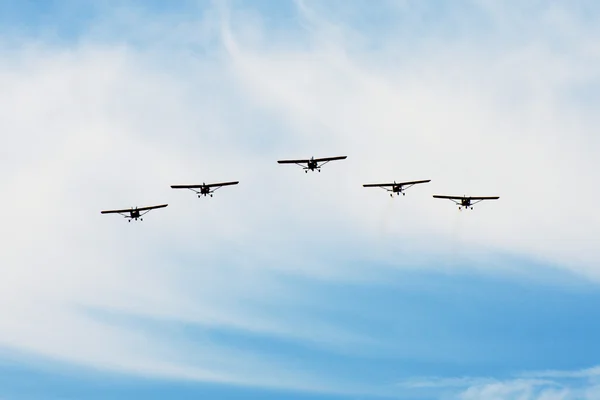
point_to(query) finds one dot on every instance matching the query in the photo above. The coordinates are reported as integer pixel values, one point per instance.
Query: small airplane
(134, 213)
(466, 201)
(397, 188)
(313, 163)
(205, 190)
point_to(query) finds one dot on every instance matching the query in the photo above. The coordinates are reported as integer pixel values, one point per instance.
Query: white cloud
(517, 390)
(89, 130)
(474, 119)
(92, 126)
(532, 385)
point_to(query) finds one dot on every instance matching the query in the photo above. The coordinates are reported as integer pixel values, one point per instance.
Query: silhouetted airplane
(204, 188)
(134, 213)
(465, 201)
(312, 163)
(396, 187)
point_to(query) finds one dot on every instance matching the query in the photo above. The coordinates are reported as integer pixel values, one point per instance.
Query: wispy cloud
(532, 385)
(477, 114)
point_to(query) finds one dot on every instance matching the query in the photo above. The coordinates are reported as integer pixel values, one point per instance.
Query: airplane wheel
(403, 194)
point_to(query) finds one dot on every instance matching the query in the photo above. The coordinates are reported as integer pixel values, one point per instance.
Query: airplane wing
(115, 211)
(293, 161)
(466, 197)
(151, 207)
(413, 182)
(186, 186)
(222, 184)
(378, 184)
(331, 158)
(201, 186)
(485, 198)
(396, 183)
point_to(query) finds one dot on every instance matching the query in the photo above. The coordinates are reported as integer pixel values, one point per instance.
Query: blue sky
(298, 285)
(447, 326)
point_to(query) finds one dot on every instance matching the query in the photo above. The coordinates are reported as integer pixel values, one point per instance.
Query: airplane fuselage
(312, 165)
(134, 215)
(466, 202)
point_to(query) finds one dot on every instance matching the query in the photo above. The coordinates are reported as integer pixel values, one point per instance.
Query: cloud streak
(477, 122)
(533, 385)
